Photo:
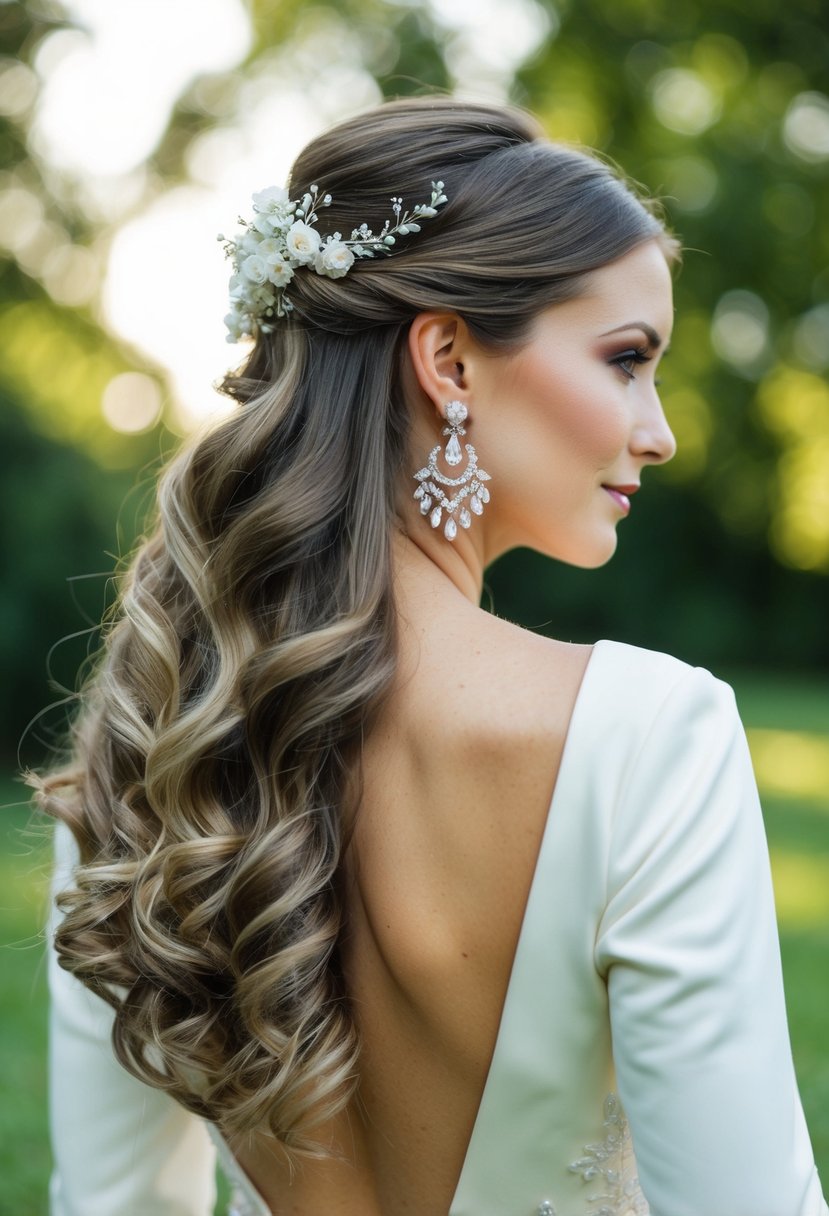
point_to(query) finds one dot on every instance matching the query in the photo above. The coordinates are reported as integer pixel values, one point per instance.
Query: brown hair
(218, 740)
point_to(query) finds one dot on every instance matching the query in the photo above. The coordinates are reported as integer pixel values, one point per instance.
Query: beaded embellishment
(612, 1164)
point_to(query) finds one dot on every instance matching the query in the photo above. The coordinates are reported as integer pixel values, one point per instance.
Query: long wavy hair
(214, 757)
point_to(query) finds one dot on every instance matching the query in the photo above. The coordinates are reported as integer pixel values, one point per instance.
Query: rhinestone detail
(433, 484)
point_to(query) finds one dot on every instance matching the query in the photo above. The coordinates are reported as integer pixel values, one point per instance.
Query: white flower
(281, 237)
(254, 269)
(238, 326)
(302, 242)
(248, 242)
(265, 225)
(271, 201)
(334, 260)
(280, 270)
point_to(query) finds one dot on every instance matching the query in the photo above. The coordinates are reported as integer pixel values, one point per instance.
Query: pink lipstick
(621, 495)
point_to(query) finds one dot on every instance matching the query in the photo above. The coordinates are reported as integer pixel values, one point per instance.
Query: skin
(460, 767)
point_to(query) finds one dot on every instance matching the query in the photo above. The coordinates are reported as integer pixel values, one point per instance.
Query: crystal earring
(470, 484)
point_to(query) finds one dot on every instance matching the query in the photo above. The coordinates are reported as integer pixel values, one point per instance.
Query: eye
(627, 360)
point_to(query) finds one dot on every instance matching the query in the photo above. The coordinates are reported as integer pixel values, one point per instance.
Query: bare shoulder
(503, 683)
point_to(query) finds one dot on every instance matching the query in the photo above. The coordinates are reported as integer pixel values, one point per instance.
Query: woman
(424, 913)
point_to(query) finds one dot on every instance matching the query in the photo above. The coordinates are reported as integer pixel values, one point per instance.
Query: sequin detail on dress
(612, 1162)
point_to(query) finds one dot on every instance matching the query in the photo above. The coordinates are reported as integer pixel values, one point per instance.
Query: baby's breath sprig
(282, 237)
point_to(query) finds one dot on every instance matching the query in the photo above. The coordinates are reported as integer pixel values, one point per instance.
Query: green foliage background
(726, 561)
(728, 554)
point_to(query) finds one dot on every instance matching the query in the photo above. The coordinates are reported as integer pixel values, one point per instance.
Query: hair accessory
(470, 484)
(282, 237)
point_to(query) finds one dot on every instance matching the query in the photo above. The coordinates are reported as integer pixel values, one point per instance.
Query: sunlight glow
(108, 93)
(102, 111)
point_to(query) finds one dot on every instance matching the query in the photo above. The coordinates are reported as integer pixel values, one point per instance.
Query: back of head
(218, 743)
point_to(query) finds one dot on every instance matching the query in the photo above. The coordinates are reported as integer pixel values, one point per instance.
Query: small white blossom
(271, 201)
(254, 268)
(334, 260)
(282, 237)
(280, 270)
(265, 225)
(302, 242)
(248, 242)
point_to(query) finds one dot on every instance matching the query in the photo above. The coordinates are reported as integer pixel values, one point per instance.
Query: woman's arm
(119, 1146)
(689, 948)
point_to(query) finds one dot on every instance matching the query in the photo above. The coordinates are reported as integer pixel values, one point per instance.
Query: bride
(415, 911)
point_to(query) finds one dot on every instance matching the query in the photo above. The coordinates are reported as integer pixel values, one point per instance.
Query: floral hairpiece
(282, 237)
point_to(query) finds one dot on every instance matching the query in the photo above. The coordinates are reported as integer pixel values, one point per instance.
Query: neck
(427, 565)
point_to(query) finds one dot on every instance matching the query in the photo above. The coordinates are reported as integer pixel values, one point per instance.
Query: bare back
(458, 777)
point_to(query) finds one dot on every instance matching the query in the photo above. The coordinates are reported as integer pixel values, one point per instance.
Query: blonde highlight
(215, 759)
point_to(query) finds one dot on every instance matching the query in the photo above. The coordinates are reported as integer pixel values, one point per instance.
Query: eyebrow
(648, 330)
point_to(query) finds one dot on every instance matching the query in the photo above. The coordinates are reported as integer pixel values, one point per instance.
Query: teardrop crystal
(434, 518)
(475, 504)
(453, 452)
(451, 529)
(419, 492)
(425, 504)
(483, 494)
(465, 518)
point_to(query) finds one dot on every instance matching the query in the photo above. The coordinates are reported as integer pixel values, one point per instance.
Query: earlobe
(436, 348)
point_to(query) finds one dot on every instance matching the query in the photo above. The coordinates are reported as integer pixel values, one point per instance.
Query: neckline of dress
(231, 1162)
(495, 1064)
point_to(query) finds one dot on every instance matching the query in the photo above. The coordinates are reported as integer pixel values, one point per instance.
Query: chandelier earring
(433, 484)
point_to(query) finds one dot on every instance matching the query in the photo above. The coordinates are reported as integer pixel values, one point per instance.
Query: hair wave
(215, 756)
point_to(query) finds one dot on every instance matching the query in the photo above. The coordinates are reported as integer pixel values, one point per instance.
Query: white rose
(302, 242)
(334, 260)
(270, 201)
(254, 269)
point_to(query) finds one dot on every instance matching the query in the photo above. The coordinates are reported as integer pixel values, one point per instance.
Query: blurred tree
(721, 107)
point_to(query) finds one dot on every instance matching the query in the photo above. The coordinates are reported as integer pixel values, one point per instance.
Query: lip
(621, 495)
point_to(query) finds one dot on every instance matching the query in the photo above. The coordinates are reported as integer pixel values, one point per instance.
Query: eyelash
(637, 354)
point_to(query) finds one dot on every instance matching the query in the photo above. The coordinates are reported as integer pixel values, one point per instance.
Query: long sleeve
(688, 946)
(120, 1147)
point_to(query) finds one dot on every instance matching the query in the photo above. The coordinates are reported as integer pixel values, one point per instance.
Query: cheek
(571, 418)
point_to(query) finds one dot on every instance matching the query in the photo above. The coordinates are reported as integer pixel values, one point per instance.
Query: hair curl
(217, 745)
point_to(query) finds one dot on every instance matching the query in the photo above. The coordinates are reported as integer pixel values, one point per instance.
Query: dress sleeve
(119, 1146)
(688, 946)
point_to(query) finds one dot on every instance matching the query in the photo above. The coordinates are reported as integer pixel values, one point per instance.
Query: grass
(788, 728)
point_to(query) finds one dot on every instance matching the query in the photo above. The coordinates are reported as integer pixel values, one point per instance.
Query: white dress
(642, 1063)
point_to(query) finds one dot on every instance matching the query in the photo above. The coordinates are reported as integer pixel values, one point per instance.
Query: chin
(589, 553)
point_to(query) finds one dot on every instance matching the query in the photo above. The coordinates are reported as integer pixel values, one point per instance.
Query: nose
(652, 438)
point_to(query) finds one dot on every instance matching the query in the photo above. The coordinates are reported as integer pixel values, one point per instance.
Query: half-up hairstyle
(215, 755)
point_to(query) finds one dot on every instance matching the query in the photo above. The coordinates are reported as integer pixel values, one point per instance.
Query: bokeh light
(740, 330)
(683, 101)
(806, 126)
(131, 402)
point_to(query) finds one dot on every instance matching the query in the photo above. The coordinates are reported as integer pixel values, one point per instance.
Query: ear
(438, 349)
